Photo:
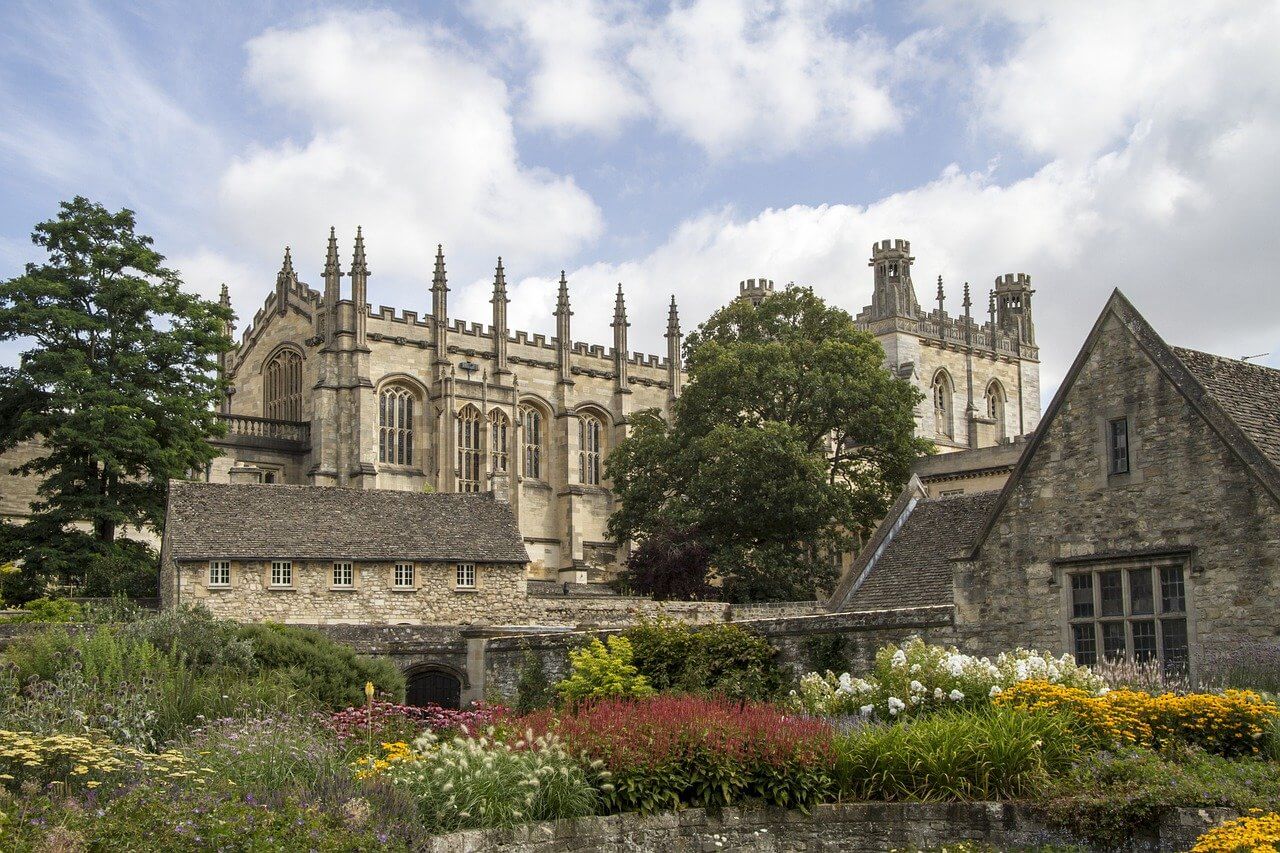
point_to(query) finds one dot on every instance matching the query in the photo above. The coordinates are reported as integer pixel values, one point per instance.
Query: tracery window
(995, 406)
(395, 421)
(942, 404)
(532, 449)
(589, 445)
(282, 386)
(499, 433)
(469, 449)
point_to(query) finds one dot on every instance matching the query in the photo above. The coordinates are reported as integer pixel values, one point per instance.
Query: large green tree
(118, 385)
(789, 441)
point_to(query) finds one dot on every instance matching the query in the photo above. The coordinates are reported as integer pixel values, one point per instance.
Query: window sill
(465, 589)
(217, 586)
(275, 588)
(342, 589)
(404, 589)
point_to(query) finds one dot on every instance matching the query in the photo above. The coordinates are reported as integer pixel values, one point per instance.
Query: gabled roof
(1238, 400)
(908, 562)
(262, 522)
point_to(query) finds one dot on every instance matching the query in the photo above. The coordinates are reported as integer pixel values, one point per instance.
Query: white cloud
(405, 133)
(761, 77)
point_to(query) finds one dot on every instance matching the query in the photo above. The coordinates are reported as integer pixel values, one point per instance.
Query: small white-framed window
(219, 573)
(403, 576)
(466, 576)
(281, 573)
(344, 575)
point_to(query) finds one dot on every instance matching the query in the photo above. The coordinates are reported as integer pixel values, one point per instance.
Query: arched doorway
(433, 687)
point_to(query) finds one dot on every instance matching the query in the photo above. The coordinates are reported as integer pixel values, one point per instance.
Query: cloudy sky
(676, 148)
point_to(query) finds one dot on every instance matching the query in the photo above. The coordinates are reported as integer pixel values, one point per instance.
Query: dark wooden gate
(433, 687)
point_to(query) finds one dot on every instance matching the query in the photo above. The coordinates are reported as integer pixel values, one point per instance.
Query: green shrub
(599, 672)
(202, 640)
(533, 690)
(130, 568)
(988, 754)
(49, 610)
(331, 674)
(1107, 797)
(724, 659)
(474, 782)
(827, 652)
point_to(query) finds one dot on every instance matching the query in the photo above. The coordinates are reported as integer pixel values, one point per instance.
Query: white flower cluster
(918, 676)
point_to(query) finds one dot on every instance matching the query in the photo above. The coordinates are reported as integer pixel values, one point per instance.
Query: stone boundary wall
(853, 827)
(499, 654)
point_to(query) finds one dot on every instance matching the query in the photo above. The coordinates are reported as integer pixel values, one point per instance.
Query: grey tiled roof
(1248, 393)
(915, 569)
(220, 521)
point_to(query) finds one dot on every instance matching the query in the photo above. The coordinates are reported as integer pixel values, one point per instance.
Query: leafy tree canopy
(789, 439)
(118, 386)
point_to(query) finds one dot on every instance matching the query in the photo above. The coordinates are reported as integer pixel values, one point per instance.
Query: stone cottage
(1142, 520)
(322, 556)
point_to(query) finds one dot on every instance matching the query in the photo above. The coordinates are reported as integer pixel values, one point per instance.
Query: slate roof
(1248, 393)
(914, 569)
(252, 522)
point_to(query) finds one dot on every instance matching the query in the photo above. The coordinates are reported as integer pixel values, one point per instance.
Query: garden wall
(847, 827)
(853, 637)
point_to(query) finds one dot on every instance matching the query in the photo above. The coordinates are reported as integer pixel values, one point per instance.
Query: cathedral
(325, 390)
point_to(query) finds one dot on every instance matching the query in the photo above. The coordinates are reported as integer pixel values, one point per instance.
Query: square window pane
(1175, 645)
(1173, 594)
(1086, 645)
(1141, 601)
(1081, 596)
(1111, 593)
(1113, 644)
(1144, 640)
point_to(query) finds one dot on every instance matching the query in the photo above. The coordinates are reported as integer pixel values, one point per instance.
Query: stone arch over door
(434, 684)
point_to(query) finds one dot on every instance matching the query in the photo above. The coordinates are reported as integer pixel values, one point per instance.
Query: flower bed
(670, 751)
(393, 721)
(1257, 832)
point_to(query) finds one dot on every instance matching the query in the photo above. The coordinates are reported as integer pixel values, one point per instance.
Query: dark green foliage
(130, 569)
(330, 673)
(827, 652)
(118, 386)
(1107, 797)
(669, 565)
(789, 439)
(722, 659)
(533, 690)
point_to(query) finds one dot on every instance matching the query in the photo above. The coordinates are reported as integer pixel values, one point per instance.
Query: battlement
(755, 285)
(896, 248)
(1013, 281)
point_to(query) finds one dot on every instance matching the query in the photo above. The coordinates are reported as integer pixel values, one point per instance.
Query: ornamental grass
(667, 751)
(1231, 723)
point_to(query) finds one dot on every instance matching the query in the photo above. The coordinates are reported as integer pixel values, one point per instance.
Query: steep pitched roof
(908, 562)
(1238, 400)
(261, 522)
(1248, 393)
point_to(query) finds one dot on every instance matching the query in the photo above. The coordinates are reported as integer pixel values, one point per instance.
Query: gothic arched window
(942, 404)
(590, 432)
(531, 420)
(995, 406)
(469, 449)
(282, 386)
(395, 425)
(499, 435)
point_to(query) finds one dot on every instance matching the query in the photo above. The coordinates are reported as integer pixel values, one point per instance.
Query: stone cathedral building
(327, 390)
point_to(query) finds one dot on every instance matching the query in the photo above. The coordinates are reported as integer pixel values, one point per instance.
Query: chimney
(500, 486)
(245, 474)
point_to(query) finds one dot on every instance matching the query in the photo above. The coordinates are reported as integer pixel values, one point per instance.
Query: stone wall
(1186, 490)
(852, 827)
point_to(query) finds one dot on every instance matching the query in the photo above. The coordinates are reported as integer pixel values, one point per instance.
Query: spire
(285, 279)
(941, 308)
(991, 312)
(499, 283)
(620, 309)
(332, 273)
(358, 264)
(564, 343)
(360, 288)
(622, 382)
(331, 265)
(224, 299)
(440, 312)
(499, 301)
(673, 352)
